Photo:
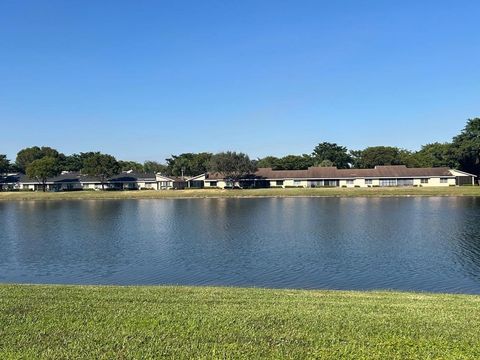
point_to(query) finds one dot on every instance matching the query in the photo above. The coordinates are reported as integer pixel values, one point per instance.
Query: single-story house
(9, 182)
(130, 180)
(165, 182)
(71, 181)
(380, 176)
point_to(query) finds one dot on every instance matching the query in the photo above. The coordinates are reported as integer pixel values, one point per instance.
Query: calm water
(430, 244)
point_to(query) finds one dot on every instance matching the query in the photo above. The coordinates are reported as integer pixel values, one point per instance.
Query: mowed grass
(95, 322)
(218, 193)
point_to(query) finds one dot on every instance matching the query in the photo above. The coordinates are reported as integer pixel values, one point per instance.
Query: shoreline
(93, 286)
(471, 191)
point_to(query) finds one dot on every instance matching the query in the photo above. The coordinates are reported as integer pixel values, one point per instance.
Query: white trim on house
(431, 177)
(437, 177)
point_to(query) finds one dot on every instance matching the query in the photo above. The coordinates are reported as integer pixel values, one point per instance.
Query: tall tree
(326, 163)
(466, 147)
(232, 165)
(378, 155)
(188, 164)
(42, 169)
(436, 155)
(130, 165)
(75, 162)
(150, 166)
(288, 162)
(102, 166)
(268, 162)
(4, 165)
(337, 154)
(295, 162)
(28, 155)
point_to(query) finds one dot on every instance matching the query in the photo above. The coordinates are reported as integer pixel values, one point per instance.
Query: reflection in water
(430, 244)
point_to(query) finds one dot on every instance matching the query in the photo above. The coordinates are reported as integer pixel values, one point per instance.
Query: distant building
(71, 181)
(170, 182)
(380, 176)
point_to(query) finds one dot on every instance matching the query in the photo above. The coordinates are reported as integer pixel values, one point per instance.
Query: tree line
(463, 153)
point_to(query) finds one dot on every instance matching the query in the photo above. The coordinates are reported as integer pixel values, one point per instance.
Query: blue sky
(146, 79)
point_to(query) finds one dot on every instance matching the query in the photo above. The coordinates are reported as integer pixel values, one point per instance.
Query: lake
(423, 244)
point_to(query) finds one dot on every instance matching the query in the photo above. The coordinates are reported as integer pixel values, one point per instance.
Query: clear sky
(146, 79)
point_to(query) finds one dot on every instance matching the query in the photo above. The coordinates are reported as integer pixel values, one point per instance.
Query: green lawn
(202, 193)
(82, 322)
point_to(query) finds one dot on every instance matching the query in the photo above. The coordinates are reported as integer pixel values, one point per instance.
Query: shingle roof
(9, 179)
(394, 171)
(133, 176)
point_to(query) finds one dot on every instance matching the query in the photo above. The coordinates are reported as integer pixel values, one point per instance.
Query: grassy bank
(214, 193)
(196, 322)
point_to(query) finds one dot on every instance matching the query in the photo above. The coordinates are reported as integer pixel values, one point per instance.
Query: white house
(380, 176)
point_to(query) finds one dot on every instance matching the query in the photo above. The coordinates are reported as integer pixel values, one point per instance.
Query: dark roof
(71, 177)
(392, 171)
(9, 179)
(133, 176)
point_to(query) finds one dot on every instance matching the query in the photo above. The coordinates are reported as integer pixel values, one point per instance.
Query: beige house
(380, 176)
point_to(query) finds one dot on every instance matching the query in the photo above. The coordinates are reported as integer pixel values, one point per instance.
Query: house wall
(464, 178)
(295, 183)
(435, 181)
(87, 186)
(208, 184)
(361, 182)
(65, 186)
(352, 182)
(147, 185)
(164, 184)
(221, 184)
(458, 173)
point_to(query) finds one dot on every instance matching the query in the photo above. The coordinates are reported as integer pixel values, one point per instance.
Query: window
(196, 184)
(443, 180)
(423, 181)
(388, 182)
(297, 182)
(213, 183)
(405, 182)
(368, 182)
(279, 182)
(331, 183)
(349, 182)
